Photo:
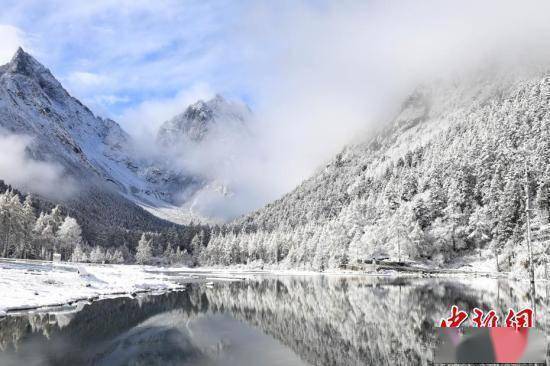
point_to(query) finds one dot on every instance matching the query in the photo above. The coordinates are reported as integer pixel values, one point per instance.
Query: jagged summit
(199, 119)
(25, 69)
(25, 64)
(22, 58)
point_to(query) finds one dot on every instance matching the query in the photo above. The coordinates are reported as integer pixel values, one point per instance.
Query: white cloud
(333, 70)
(323, 73)
(141, 49)
(111, 99)
(26, 174)
(86, 79)
(12, 38)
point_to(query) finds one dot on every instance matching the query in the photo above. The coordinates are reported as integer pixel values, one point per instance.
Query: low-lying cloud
(322, 74)
(18, 169)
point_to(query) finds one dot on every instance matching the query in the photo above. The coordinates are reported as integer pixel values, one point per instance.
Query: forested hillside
(445, 179)
(35, 228)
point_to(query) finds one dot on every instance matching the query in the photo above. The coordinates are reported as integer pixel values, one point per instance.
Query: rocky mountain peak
(23, 63)
(198, 119)
(25, 67)
(208, 110)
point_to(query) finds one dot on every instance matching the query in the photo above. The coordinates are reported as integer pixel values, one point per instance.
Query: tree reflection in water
(317, 320)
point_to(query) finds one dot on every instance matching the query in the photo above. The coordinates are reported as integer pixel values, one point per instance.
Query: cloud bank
(28, 175)
(323, 73)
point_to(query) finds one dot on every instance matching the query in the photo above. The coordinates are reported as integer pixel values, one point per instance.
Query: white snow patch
(33, 284)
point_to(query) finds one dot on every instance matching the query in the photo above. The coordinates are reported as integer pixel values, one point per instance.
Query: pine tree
(28, 222)
(117, 257)
(417, 247)
(196, 247)
(480, 227)
(8, 221)
(144, 253)
(168, 254)
(56, 217)
(16, 225)
(46, 239)
(97, 255)
(79, 255)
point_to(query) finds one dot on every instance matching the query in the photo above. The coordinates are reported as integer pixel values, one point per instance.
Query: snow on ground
(32, 284)
(483, 261)
(180, 215)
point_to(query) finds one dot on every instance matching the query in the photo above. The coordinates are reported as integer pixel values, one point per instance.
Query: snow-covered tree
(196, 246)
(68, 236)
(117, 257)
(10, 221)
(28, 218)
(168, 254)
(144, 254)
(45, 236)
(78, 254)
(23, 235)
(97, 255)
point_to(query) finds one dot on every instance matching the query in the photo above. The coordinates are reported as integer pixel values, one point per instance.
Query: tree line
(28, 235)
(31, 228)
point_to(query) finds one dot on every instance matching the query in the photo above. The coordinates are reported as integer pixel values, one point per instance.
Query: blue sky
(115, 55)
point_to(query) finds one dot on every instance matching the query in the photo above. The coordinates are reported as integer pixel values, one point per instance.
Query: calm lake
(263, 320)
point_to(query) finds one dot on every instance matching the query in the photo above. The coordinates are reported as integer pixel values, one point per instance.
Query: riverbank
(27, 285)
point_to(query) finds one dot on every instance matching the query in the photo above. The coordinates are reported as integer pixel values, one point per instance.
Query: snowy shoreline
(29, 285)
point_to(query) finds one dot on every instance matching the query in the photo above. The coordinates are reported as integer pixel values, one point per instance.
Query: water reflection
(262, 321)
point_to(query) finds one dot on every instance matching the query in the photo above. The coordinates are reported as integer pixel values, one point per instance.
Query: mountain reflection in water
(315, 320)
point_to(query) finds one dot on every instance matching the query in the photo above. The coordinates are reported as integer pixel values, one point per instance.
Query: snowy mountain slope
(422, 120)
(34, 103)
(445, 178)
(98, 155)
(111, 178)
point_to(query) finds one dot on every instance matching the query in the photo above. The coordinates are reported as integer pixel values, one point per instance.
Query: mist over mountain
(219, 140)
(202, 121)
(55, 147)
(446, 179)
(210, 140)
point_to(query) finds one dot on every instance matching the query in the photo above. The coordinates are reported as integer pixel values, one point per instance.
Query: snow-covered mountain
(114, 181)
(34, 103)
(204, 120)
(443, 181)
